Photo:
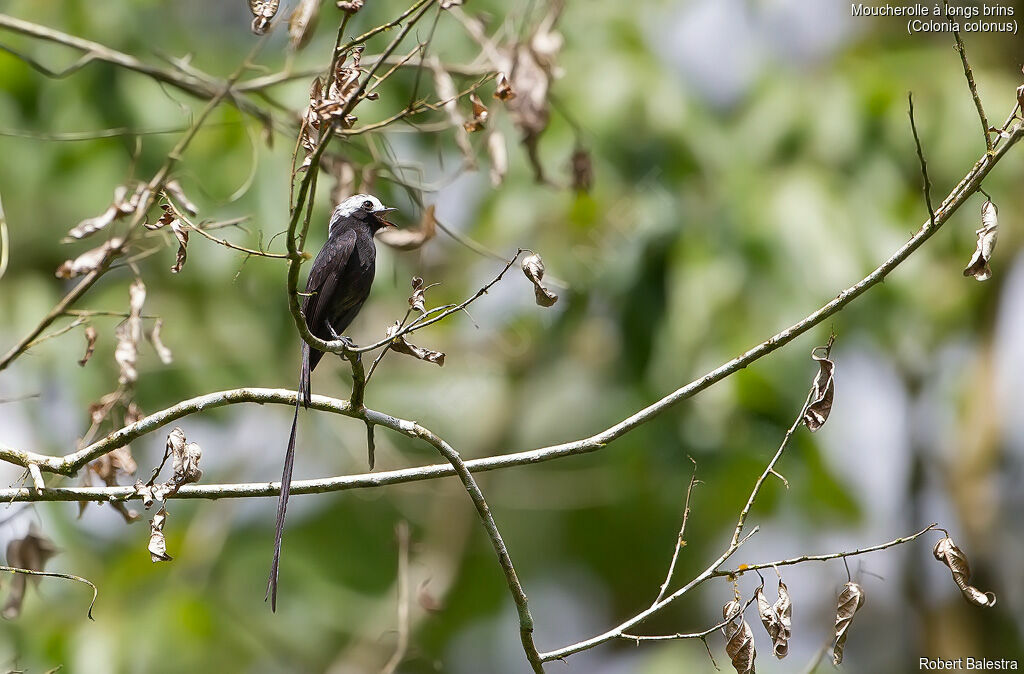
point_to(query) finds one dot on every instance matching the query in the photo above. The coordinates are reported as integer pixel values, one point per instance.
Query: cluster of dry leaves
(777, 617)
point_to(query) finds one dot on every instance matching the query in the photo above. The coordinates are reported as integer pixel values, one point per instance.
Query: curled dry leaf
(31, 552)
(448, 4)
(157, 543)
(504, 91)
(302, 23)
(446, 91)
(124, 204)
(90, 260)
(151, 493)
(739, 638)
(498, 152)
(532, 67)
(945, 551)
(582, 170)
(822, 390)
(987, 235)
(400, 344)
(166, 357)
(850, 601)
(181, 234)
(186, 464)
(777, 618)
(172, 189)
(411, 239)
(180, 231)
(479, 118)
(533, 267)
(331, 104)
(350, 6)
(418, 298)
(262, 12)
(128, 334)
(90, 344)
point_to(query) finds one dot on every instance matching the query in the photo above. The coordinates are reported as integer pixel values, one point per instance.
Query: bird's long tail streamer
(282, 506)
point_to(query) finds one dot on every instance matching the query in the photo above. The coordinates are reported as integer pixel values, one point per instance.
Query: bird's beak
(380, 216)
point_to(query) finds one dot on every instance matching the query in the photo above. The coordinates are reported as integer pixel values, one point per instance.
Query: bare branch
(824, 558)
(924, 165)
(969, 74)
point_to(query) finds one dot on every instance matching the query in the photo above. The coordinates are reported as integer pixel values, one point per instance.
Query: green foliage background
(709, 228)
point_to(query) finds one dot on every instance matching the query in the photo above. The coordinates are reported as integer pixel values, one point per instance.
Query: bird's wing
(323, 279)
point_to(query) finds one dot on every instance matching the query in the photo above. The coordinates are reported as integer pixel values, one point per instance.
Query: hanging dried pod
(90, 344)
(987, 235)
(262, 12)
(157, 543)
(533, 267)
(739, 638)
(945, 551)
(850, 601)
(399, 344)
(822, 390)
(777, 618)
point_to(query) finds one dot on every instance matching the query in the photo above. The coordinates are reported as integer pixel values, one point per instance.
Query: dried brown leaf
(401, 345)
(533, 267)
(504, 91)
(446, 91)
(350, 6)
(90, 260)
(31, 552)
(93, 225)
(413, 238)
(479, 118)
(126, 354)
(172, 189)
(850, 601)
(777, 618)
(157, 543)
(186, 457)
(302, 23)
(988, 233)
(166, 357)
(262, 12)
(181, 234)
(128, 334)
(822, 389)
(948, 553)
(739, 639)
(90, 344)
(418, 298)
(122, 205)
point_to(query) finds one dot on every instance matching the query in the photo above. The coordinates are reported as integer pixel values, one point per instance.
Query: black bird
(339, 282)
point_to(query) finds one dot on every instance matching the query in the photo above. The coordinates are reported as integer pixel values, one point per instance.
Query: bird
(338, 285)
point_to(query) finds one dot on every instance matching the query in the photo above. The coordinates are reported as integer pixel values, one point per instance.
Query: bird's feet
(341, 338)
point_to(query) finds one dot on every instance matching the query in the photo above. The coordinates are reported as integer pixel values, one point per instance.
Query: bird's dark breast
(350, 292)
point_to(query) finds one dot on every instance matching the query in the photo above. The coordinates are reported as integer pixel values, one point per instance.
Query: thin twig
(924, 165)
(54, 574)
(770, 469)
(154, 186)
(680, 542)
(969, 74)
(824, 558)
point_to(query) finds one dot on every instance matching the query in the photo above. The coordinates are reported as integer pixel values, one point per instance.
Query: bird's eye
(368, 205)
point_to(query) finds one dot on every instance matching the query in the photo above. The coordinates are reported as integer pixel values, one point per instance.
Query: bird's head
(361, 208)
